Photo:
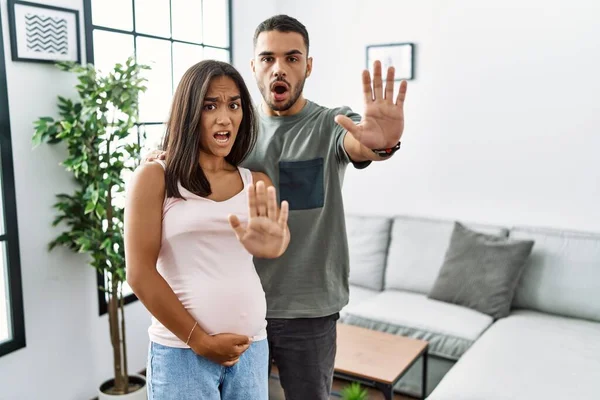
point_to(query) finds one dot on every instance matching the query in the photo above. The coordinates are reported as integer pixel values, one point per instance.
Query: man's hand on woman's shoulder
(154, 155)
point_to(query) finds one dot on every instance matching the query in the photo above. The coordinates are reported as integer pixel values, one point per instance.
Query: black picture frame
(47, 38)
(399, 55)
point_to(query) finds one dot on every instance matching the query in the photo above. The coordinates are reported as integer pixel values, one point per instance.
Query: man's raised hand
(382, 121)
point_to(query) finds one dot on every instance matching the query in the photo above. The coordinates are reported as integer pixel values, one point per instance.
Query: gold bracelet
(190, 335)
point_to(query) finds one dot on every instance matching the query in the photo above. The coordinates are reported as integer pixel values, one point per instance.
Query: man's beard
(294, 95)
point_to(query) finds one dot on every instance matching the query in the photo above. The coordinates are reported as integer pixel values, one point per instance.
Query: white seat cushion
(358, 294)
(449, 329)
(528, 355)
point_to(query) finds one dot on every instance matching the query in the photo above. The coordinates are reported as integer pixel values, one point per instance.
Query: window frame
(89, 56)
(14, 295)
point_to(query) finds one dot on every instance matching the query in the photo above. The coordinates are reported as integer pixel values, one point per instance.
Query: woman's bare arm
(143, 232)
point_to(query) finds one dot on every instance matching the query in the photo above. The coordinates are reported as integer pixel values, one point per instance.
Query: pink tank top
(209, 270)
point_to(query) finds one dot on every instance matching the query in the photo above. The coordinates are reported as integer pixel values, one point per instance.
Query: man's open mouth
(280, 90)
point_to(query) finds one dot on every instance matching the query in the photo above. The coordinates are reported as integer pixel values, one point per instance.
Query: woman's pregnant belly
(229, 307)
(220, 304)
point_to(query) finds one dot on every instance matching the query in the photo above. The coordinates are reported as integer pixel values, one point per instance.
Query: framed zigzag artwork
(42, 33)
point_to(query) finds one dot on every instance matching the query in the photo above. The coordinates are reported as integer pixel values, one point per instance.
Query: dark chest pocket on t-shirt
(301, 183)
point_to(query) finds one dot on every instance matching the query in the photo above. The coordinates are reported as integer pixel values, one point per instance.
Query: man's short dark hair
(282, 23)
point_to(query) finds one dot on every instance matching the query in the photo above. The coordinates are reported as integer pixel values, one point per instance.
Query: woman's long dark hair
(182, 138)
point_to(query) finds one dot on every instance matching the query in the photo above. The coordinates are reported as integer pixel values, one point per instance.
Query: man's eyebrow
(289, 53)
(215, 99)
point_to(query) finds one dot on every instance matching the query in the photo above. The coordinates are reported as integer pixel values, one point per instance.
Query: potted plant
(97, 132)
(354, 392)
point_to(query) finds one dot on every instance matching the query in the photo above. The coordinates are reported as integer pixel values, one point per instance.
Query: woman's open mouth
(222, 137)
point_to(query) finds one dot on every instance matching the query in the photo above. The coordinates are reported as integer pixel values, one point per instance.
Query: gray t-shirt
(304, 155)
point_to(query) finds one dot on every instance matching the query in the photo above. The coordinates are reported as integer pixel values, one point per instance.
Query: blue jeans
(180, 374)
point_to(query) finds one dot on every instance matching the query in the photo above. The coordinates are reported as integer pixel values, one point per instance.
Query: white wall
(246, 17)
(68, 351)
(503, 120)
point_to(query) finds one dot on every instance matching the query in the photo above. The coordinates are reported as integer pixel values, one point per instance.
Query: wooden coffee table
(377, 359)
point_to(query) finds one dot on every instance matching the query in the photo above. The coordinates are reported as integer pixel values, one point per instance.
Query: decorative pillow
(481, 271)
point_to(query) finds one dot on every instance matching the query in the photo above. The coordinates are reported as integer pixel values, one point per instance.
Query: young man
(304, 148)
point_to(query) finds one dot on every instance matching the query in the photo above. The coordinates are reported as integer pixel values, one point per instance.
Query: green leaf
(84, 244)
(57, 220)
(121, 274)
(107, 242)
(62, 134)
(95, 195)
(89, 207)
(37, 138)
(100, 211)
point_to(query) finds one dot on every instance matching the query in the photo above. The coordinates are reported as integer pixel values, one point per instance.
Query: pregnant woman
(193, 223)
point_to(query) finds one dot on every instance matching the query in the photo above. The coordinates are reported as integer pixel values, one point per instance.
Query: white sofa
(547, 348)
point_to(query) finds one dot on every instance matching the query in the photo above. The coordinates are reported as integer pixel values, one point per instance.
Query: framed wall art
(42, 33)
(398, 55)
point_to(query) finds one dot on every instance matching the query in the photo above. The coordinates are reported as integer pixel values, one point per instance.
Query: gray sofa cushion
(368, 240)
(449, 329)
(530, 356)
(417, 250)
(562, 276)
(481, 271)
